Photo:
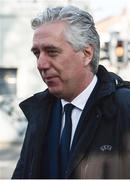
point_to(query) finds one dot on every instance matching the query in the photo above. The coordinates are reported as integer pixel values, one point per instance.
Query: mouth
(49, 79)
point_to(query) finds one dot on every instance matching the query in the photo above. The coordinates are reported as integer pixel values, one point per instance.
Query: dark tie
(66, 138)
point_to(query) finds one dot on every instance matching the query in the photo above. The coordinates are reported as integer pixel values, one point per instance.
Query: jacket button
(97, 116)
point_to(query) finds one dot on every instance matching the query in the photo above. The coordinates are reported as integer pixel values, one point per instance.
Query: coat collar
(37, 104)
(40, 105)
(108, 82)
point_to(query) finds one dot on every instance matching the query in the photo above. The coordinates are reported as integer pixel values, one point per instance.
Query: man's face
(61, 67)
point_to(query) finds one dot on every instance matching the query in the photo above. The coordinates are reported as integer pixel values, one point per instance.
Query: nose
(43, 62)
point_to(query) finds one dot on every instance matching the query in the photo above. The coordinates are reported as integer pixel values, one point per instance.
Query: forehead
(49, 32)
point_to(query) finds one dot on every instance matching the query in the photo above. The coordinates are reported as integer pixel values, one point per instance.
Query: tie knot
(68, 108)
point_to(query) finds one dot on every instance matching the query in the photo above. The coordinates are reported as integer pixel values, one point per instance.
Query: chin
(55, 92)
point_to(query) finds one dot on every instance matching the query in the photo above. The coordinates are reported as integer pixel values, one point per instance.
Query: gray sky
(103, 8)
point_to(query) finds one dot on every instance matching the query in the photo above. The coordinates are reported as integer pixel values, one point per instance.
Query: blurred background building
(19, 77)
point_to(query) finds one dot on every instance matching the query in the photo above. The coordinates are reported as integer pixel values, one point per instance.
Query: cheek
(69, 74)
(68, 66)
(75, 66)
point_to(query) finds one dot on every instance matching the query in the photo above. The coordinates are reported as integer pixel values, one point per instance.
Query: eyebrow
(47, 47)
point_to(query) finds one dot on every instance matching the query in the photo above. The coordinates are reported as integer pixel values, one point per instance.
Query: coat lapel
(86, 133)
(43, 118)
(38, 110)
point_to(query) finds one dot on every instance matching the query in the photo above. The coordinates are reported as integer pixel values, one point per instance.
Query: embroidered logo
(106, 147)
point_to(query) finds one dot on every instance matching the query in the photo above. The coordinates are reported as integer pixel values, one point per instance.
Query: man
(93, 141)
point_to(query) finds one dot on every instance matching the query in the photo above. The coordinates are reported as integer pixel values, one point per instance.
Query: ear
(88, 54)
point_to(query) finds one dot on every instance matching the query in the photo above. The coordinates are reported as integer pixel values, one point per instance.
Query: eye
(36, 53)
(52, 53)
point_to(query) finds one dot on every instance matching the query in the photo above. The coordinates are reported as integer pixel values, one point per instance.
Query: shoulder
(37, 103)
(122, 88)
(122, 92)
(36, 98)
(122, 103)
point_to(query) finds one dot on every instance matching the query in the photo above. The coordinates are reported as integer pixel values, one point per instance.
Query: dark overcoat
(103, 147)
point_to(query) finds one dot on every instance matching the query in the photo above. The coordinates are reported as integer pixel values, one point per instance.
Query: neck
(84, 85)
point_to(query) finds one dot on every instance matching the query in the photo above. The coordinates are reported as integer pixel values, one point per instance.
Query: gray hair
(80, 32)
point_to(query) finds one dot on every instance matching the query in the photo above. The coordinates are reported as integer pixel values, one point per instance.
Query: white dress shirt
(79, 103)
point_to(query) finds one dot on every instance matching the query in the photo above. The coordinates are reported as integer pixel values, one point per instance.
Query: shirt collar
(82, 98)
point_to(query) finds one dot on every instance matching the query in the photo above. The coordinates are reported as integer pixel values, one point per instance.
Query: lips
(48, 78)
(52, 78)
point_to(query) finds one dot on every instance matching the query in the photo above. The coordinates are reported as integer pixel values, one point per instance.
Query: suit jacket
(101, 145)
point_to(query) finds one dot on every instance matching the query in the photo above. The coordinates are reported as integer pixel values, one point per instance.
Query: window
(8, 78)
